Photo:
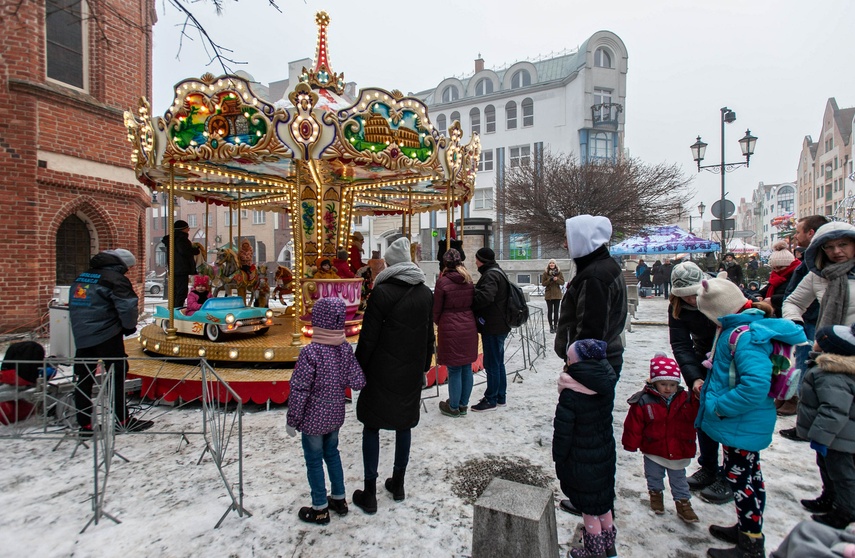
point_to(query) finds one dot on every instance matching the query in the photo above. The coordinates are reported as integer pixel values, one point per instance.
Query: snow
(168, 505)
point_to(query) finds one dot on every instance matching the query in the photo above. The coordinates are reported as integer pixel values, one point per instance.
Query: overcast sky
(776, 63)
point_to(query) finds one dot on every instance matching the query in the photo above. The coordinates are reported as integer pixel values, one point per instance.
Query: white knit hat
(398, 252)
(781, 256)
(686, 279)
(719, 297)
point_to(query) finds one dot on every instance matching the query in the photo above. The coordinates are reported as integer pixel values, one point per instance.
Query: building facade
(770, 202)
(68, 185)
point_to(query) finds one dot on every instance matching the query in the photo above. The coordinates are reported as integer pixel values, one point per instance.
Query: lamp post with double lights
(722, 209)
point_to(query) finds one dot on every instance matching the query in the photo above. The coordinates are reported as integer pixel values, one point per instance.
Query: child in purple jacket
(324, 370)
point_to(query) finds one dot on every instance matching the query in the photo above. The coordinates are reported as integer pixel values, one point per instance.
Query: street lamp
(699, 149)
(701, 209)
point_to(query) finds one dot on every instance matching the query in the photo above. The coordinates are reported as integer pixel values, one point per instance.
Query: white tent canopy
(739, 246)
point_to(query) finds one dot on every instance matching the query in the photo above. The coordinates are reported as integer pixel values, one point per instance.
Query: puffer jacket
(553, 288)
(395, 350)
(322, 374)
(491, 300)
(657, 428)
(457, 336)
(826, 410)
(691, 336)
(102, 302)
(743, 415)
(583, 442)
(594, 306)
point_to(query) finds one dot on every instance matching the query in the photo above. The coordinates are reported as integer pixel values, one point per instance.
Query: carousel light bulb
(269, 354)
(176, 349)
(144, 342)
(202, 352)
(157, 346)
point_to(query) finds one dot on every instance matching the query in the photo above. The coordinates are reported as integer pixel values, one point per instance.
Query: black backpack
(22, 351)
(516, 312)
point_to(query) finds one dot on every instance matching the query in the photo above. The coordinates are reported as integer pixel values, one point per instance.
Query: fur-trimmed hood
(836, 364)
(815, 258)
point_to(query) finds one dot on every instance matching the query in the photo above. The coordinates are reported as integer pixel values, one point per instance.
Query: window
(450, 94)
(602, 100)
(258, 217)
(72, 249)
(527, 112)
(483, 87)
(600, 146)
(65, 36)
(483, 198)
(520, 155)
(475, 120)
(786, 200)
(602, 58)
(490, 118)
(244, 213)
(521, 78)
(455, 116)
(191, 220)
(441, 126)
(511, 115)
(234, 218)
(485, 162)
(523, 278)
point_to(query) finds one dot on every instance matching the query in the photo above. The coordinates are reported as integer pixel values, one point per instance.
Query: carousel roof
(220, 142)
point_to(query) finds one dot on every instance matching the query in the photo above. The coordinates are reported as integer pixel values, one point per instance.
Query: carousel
(317, 155)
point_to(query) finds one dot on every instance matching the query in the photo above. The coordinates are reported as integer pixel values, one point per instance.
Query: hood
(596, 375)
(766, 329)
(586, 233)
(104, 260)
(837, 364)
(814, 256)
(328, 313)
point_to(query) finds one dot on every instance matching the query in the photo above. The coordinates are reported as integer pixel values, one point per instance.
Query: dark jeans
(803, 351)
(665, 288)
(112, 352)
(371, 450)
(494, 365)
(552, 312)
(708, 451)
(180, 290)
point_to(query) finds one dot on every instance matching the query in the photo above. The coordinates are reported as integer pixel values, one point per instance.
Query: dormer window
(521, 78)
(602, 58)
(450, 94)
(483, 87)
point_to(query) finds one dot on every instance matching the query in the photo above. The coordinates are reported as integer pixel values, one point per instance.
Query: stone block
(514, 520)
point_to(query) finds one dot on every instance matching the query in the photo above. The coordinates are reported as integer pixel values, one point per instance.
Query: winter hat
(326, 261)
(781, 256)
(586, 233)
(357, 236)
(686, 279)
(485, 255)
(664, 368)
(127, 258)
(552, 261)
(341, 254)
(837, 340)
(586, 349)
(181, 224)
(201, 281)
(398, 252)
(719, 297)
(451, 258)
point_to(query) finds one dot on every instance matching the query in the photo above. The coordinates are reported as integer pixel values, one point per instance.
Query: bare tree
(537, 197)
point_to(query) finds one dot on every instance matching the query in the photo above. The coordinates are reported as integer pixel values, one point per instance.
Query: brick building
(69, 69)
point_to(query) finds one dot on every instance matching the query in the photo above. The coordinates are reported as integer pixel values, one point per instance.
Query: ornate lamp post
(722, 211)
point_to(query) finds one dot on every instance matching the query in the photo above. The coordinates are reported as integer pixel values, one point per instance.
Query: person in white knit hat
(783, 264)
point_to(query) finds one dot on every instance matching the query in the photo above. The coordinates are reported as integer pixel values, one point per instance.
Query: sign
(520, 246)
(729, 224)
(729, 209)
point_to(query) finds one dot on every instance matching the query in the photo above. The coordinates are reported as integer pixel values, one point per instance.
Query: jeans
(371, 450)
(112, 351)
(655, 474)
(459, 385)
(802, 351)
(316, 451)
(494, 364)
(708, 451)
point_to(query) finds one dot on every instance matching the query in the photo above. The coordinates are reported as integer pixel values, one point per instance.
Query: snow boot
(594, 546)
(746, 547)
(611, 537)
(657, 503)
(338, 506)
(366, 499)
(311, 515)
(823, 504)
(395, 485)
(726, 534)
(685, 511)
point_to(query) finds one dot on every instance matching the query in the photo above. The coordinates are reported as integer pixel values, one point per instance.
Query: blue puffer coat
(743, 416)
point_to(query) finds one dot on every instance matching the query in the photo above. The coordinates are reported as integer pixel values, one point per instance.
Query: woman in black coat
(656, 276)
(395, 350)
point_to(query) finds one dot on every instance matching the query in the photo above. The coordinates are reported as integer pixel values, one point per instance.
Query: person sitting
(200, 293)
(341, 264)
(325, 271)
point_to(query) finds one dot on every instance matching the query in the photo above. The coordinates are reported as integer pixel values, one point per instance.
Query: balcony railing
(606, 114)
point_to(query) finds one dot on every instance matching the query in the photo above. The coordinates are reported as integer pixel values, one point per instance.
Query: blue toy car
(217, 316)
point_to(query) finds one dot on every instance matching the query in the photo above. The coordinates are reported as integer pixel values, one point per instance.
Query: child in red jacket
(661, 423)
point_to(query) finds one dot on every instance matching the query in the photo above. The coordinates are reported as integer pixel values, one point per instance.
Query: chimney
(479, 64)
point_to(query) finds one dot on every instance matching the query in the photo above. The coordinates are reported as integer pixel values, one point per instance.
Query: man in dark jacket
(185, 265)
(490, 306)
(666, 270)
(734, 270)
(395, 350)
(103, 308)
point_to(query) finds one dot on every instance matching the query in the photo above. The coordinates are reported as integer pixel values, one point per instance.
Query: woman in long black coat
(395, 350)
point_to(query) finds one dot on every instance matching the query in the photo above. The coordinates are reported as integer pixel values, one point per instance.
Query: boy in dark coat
(185, 265)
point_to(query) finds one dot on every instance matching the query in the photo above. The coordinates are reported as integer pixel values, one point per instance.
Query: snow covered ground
(168, 505)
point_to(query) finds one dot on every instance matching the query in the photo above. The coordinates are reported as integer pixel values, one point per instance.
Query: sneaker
(134, 425)
(791, 434)
(463, 409)
(483, 405)
(446, 410)
(702, 478)
(311, 515)
(823, 504)
(501, 403)
(338, 506)
(718, 492)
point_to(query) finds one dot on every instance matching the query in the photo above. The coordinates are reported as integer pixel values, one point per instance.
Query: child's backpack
(516, 313)
(785, 371)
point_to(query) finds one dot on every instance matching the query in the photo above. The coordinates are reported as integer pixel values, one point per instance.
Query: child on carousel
(200, 293)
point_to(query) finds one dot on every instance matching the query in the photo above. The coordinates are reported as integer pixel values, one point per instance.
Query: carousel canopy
(670, 239)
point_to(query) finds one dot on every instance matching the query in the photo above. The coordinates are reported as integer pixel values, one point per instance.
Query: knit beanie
(485, 255)
(664, 368)
(837, 340)
(586, 349)
(201, 281)
(719, 297)
(686, 279)
(127, 258)
(398, 252)
(781, 256)
(451, 258)
(180, 225)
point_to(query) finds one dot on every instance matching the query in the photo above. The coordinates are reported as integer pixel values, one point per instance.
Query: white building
(768, 202)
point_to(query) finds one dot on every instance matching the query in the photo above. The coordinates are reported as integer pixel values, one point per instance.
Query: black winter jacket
(594, 306)
(395, 349)
(184, 252)
(583, 441)
(102, 302)
(491, 301)
(691, 338)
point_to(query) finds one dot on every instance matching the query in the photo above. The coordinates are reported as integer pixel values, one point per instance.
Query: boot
(746, 547)
(823, 504)
(594, 546)
(726, 534)
(790, 407)
(685, 511)
(338, 506)
(611, 537)
(311, 515)
(395, 485)
(657, 504)
(835, 518)
(366, 499)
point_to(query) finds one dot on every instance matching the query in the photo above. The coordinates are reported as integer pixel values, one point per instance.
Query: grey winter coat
(826, 413)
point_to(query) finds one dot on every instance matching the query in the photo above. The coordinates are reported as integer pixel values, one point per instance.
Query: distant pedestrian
(733, 269)
(553, 280)
(642, 274)
(666, 270)
(656, 275)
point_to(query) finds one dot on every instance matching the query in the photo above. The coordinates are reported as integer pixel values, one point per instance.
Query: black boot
(366, 499)
(395, 485)
(823, 504)
(746, 547)
(726, 534)
(835, 518)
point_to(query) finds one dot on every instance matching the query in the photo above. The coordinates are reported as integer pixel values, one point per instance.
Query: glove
(819, 448)
(291, 430)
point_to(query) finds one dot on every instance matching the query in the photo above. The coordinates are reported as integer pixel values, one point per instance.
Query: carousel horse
(231, 276)
(261, 292)
(284, 279)
(202, 265)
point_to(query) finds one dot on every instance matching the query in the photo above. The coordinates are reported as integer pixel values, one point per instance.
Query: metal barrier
(532, 338)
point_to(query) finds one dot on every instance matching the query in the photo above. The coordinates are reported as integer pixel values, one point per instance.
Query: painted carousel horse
(230, 275)
(202, 265)
(261, 292)
(284, 285)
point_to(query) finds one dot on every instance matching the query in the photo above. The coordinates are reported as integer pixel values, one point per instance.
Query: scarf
(323, 336)
(407, 272)
(553, 272)
(777, 279)
(835, 302)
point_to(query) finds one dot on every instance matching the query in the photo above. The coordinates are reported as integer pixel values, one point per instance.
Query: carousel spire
(322, 77)
(322, 20)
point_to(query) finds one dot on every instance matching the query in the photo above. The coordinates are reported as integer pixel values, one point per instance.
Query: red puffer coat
(657, 429)
(457, 342)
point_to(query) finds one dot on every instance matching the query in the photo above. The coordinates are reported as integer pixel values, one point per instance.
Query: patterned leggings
(742, 471)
